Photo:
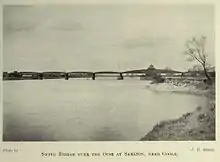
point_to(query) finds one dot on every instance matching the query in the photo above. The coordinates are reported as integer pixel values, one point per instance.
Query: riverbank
(196, 125)
(193, 88)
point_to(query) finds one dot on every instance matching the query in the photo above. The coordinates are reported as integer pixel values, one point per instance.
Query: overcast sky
(103, 37)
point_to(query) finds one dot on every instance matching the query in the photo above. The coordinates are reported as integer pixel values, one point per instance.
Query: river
(87, 110)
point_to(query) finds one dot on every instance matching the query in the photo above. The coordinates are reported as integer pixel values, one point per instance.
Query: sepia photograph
(108, 72)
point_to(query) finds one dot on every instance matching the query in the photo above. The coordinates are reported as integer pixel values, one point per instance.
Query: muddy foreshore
(194, 126)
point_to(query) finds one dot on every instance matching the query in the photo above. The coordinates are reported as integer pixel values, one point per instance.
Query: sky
(103, 37)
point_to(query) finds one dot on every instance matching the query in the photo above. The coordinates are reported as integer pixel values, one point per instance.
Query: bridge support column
(120, 77)
(66, 76)
(93, 76)
(40, 76)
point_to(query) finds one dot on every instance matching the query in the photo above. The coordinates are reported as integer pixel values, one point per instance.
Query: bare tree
(195, 49)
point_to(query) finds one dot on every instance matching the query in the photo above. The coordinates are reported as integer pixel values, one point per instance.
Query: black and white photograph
(108, 72)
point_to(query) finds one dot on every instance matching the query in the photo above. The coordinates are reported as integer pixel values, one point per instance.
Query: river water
(87, 110)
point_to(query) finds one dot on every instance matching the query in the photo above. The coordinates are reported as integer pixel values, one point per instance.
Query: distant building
(151, 67)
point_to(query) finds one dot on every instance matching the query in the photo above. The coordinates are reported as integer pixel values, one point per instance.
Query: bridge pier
(41, 77)
(93, 76)
(66, 76)
(120, 77)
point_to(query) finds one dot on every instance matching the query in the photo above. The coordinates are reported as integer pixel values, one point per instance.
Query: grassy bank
(196, 125)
